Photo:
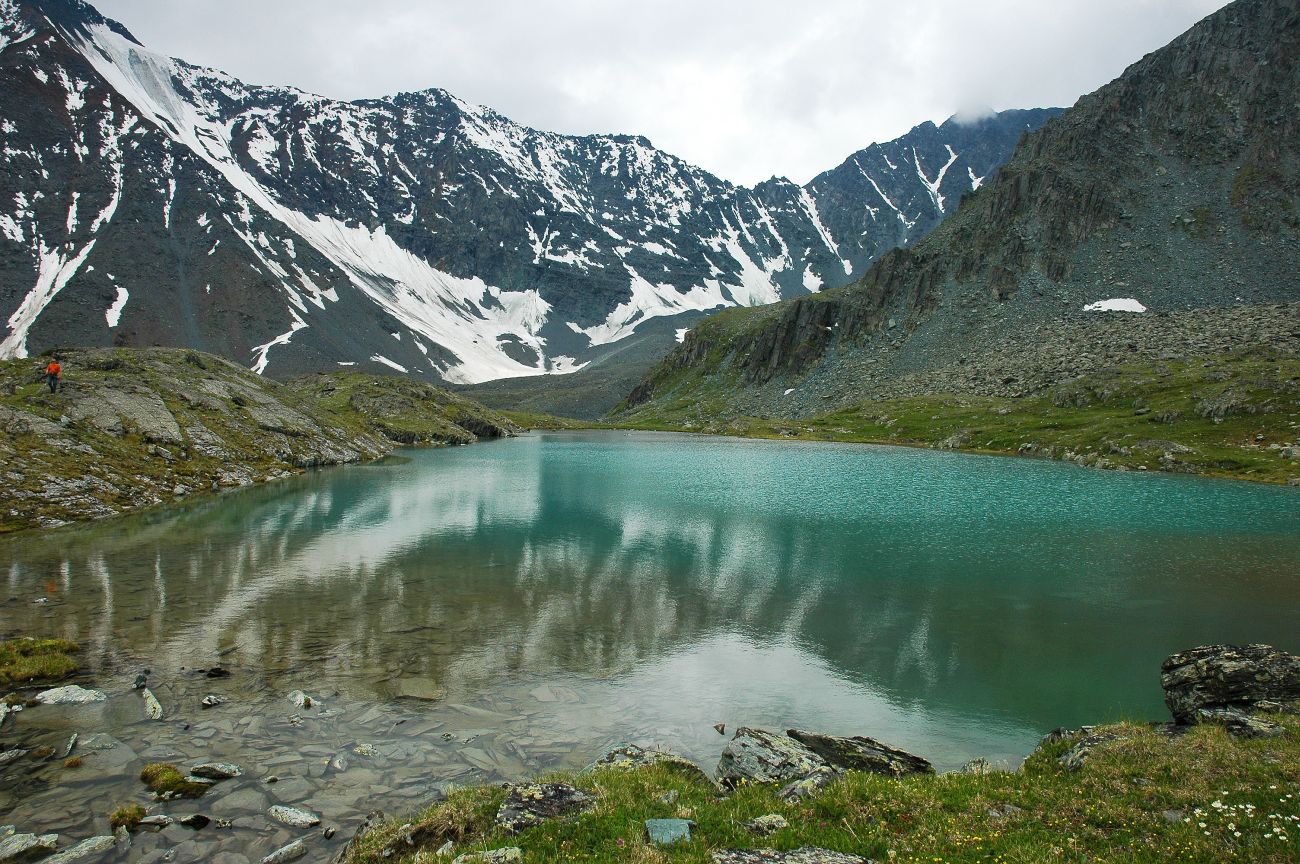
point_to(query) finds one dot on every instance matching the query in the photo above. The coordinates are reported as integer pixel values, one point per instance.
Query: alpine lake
(490, 613)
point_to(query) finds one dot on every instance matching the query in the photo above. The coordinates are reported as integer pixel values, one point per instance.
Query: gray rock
(295, 850)
(27, 847)
(630, 757)
(667, 832)
(217, 770)
(507, 855)
(977, 766)
(808, 787)
(758, 756)
(769, 824)
(293, 816)
(156, 822)
(1228, 676)
(534, 803)
(862, 754)
(70, 695)
(12, 755)
(1074, 758)
(804, 855)
(1240, 724)
(86, 850)
(212, 701)
(152, 707)
(195, 821)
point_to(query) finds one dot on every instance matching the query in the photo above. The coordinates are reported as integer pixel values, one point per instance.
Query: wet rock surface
(532, 804)
(1228, 676)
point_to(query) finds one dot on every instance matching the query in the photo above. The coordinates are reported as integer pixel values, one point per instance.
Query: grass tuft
(166, 781)
(36, 661)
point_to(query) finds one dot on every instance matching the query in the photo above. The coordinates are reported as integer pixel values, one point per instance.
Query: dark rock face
(532, 804)
(1146, 189)
(862, 754)
(1228, 676)
(291, 233)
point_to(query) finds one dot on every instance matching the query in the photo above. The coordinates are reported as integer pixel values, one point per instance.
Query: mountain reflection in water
(953, 604)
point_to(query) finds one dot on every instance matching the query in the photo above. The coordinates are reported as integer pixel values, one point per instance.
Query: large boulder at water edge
(862, 754)
(1229, 676)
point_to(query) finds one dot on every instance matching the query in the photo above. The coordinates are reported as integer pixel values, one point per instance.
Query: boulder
(630, 757)
(758, 756)
(27, 847)
(862, 754)
(1228, 676)
(807, 787)
(534, 803)
(804, 855)
(70, 695)
(293, 816)
(1240, 724)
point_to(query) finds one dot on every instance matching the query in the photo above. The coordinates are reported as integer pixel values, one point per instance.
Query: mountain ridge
(414, 233)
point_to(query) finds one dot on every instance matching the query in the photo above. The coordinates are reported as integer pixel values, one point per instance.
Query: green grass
(127, 816)
(166, 781)
(1225, 417)
(36, 661)
(1139, 799)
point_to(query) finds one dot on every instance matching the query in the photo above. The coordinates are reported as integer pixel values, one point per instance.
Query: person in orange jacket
(53, 374)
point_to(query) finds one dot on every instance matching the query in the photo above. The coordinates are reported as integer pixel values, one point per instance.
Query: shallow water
(487, 612)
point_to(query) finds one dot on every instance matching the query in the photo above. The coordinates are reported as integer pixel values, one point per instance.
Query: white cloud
(744, 88)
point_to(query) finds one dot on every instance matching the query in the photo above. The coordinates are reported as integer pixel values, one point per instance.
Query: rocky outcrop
(534, 803)
(133, 428)
(862, 754)
(1228, 677)
(758, 756)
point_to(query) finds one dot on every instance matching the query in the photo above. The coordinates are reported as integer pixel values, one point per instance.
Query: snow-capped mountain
(144, 200)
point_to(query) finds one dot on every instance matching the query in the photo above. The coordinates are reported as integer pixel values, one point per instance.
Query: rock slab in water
(758, 756)
(295, 850)
(629, 757)
(534, 803)
(27, 847)
(805, 855)
(293, 816)
(860, 753)
(1228, 676)
(86, 850)
(152, 707)
(70, 695)
(217, 770)
(508, 855)
(666, 832)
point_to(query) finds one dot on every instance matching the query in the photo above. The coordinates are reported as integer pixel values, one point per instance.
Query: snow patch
(380, 358)
(1115, 304)
(681, 334)
(114, 313)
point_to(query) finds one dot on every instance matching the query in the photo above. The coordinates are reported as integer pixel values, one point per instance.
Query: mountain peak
(74, 16)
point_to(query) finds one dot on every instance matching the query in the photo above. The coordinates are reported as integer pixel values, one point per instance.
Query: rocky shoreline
(135, 428)
(1247, 691)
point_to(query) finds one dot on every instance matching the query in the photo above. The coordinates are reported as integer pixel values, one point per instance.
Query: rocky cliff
(1174, 189)
(134, 428)
(145, 201)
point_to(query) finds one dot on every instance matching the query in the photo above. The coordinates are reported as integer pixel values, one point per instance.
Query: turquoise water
(610, 586)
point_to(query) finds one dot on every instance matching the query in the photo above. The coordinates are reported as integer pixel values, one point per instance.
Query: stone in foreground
(508, 855)
(666, 832)
(807, 787)
(862, 754)
(152, 707)
(293, 816)
(769, 824)
(87, 850)
(534, 803)
(295, 850)
(27, 847)
(758, 756)
(630, 757)
(1074, 758)
(70, 695)
(1228, 676)
(217, 770)
(805, 855)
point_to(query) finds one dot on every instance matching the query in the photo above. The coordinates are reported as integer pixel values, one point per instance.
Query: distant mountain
(1174, 188)
(147, 201)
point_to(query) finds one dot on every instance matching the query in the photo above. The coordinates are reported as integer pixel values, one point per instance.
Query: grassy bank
(1224, 417)
(36, 661)
(1144, 797)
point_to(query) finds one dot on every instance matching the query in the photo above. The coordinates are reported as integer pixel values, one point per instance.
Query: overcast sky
(744, 88)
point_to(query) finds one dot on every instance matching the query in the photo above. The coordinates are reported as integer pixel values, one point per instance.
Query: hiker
(53, 373)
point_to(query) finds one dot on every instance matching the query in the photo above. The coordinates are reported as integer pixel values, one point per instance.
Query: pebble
(213, 701)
